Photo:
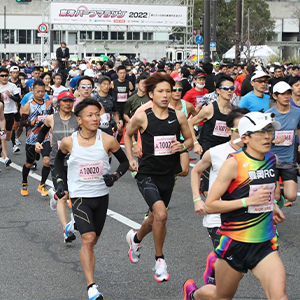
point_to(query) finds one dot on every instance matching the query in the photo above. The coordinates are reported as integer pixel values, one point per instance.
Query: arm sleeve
(42, 133)
(16, 98)
(124, 163)
(59, 164)
(25, 122)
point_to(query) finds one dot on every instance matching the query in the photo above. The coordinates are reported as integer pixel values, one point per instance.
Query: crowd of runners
(242, 120)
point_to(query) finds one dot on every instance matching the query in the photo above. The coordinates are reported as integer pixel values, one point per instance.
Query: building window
(85, 35)
(36, 39)
(104, 35)
(24, 36)
(8, 36)
(133, 36)
(98, 35)
(148, 36)
(117, 35)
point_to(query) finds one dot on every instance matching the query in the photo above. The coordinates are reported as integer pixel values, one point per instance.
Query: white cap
(45, 63)
(89, 72)
(82, 67)
(259, 74)
(281, 87)
(255, 121)
(272, 69)
(73, 66)
(14, 68)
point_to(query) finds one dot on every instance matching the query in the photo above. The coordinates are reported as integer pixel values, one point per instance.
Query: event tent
(260, 51)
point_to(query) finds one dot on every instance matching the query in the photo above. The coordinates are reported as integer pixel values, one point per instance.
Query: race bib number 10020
(91, 170)
(162, 144)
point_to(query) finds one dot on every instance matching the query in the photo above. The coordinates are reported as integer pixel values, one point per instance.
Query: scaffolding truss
(187, 31)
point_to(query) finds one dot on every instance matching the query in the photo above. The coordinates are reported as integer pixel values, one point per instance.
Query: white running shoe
(18, 143)
(161, 273)
(52, 202)
(134, 252)
(69, 235)
(16, 149)
(94, 293)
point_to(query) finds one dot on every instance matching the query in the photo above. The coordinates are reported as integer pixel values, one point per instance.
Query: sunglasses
(89, 86)
(3, 75)
(269, 130)
(227, 88)
(179, 89)
(235, 129)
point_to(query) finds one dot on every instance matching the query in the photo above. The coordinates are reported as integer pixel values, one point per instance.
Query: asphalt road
(36, 264)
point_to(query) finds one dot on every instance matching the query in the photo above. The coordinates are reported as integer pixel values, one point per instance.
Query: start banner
(118, 14)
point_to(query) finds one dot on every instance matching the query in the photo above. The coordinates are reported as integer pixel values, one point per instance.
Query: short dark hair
(222, 79)
(110, 64)
(85, 78)
(235, 113)
(143, 76)
(58, 74)
(121, 67)
(22, 74)
(250, 69)
(38, 82)
(295, 68)
(208, 68)
(155, 79)
(185, 72)
(294, 80)
(104, 78)
(36, 69)
(4, 70)
(44, 75)
(84, 103)
(277, 67)
(63, 43)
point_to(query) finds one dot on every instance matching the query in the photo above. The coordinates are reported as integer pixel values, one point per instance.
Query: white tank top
(86, 166)
(218, 156)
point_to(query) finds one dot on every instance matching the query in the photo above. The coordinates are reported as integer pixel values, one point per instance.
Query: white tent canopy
(260, 51)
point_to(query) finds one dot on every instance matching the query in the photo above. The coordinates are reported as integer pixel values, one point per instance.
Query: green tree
(261, 25)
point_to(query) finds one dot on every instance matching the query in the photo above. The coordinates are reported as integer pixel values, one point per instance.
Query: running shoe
(69, 235)
(94, 293)
(134, 252)
(24, 189)
(33, 167)
(53, 201)
(209, 273)
(7, 161)
(16, 149)
(287, 203)
(161, 273)
(146, 215)
(133, 174)
(43, 190)
(18, 143)
(188, 288)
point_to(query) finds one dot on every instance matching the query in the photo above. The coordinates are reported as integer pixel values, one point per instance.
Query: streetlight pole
(207, 31)
(238, 30)
(214, 38)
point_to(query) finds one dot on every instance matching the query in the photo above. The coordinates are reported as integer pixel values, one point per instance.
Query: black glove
(60, 193)
(39, 123)
(110, 179)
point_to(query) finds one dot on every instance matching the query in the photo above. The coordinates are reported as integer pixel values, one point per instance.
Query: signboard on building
(118, 14)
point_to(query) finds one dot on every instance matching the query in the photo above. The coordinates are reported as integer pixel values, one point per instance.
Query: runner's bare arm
(185, 130)
(191, 109)
(227, 174)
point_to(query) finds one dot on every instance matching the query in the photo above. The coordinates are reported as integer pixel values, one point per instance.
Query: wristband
(183, 146)
(58, 180)
(133, 143)
(196, 143)
(117, 175)
(244, 202)
(197, 199)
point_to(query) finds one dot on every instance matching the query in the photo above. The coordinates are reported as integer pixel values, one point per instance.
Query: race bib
(42, 118)
(198, 99)
(122, 97)
(220, 129)
(162, 144)
(90, 170)
(288, 137)
(20, 91)
(264, 207)
(58, 144)
(6, 99)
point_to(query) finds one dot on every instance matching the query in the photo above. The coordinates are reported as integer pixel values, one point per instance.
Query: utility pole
(214, 38)
(238, 30)
(207, 31)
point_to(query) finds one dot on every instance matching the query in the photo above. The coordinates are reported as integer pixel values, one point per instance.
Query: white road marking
(118, 217)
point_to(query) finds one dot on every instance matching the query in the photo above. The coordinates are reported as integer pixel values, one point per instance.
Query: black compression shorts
(155, 188)
(9, 119)
(90, 213)
(31, 154)
(244, 256)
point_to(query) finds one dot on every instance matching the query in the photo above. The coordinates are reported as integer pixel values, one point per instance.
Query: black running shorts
(9, 119)
(90, 213)
(31, 154)
(287, 174)
(155, 188)
(244, 256)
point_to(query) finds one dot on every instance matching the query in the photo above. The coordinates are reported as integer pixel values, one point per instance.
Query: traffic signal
(23, 1)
